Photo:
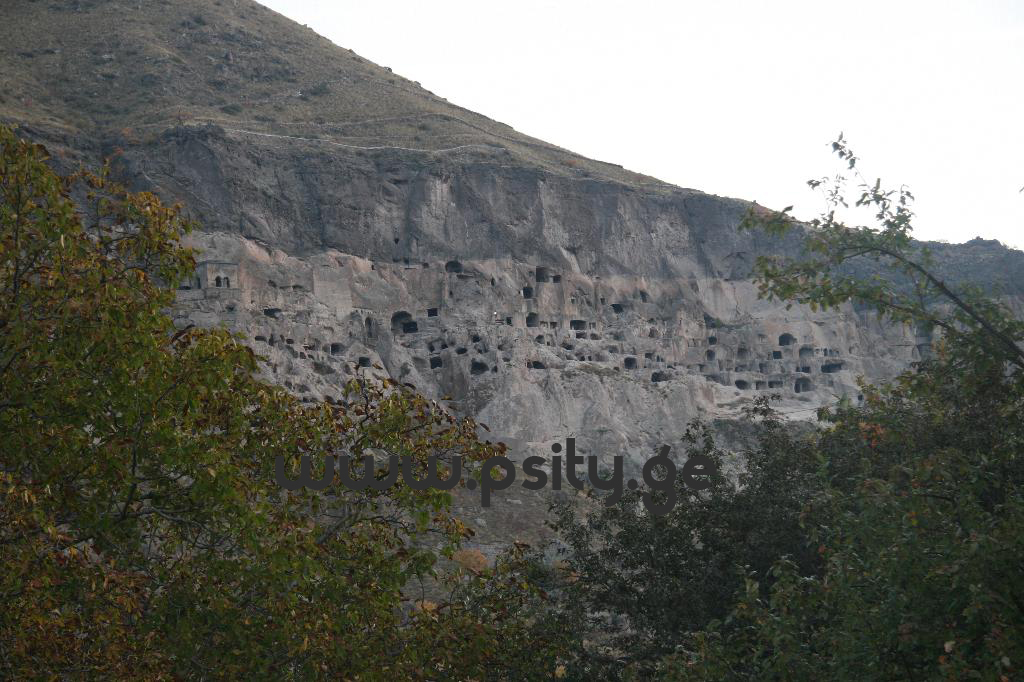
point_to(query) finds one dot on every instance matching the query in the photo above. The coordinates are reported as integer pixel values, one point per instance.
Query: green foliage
(500, 624)
(645, 581)
(903, 288)
(922, 531)
(142, 532)
(920, 515)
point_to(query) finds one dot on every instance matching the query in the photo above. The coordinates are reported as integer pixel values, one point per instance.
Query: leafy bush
(142, 532)
(920, 520)
(645, 581)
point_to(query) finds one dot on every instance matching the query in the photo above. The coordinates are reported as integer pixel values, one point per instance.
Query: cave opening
(400, 321)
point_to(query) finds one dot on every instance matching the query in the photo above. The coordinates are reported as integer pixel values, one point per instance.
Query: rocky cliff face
(546, 306)
(352, 219)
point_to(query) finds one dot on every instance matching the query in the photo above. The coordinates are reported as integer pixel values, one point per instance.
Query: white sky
(735, 98)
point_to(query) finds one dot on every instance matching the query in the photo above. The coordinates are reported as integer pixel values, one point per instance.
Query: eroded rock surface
(540, 352)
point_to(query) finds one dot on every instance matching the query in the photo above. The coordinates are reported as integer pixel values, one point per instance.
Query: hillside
(352, 218)
(124, 70)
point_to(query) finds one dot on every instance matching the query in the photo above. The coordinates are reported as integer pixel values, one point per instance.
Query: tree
(881, 267)
(641, 582)
(920, 520)
(142, 532)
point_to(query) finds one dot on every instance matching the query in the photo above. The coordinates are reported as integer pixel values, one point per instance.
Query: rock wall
(538, 352)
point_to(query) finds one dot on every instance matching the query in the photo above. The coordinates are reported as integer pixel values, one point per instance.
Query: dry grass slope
(136, 68)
